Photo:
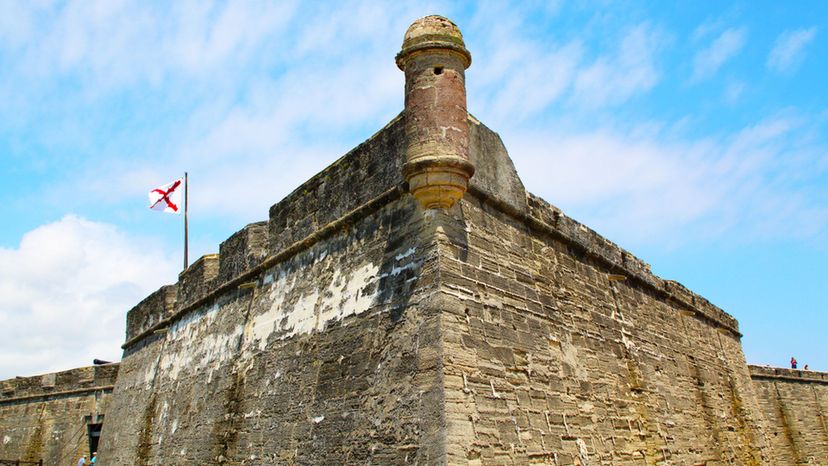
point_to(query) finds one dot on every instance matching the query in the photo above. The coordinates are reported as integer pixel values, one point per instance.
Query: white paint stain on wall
(149, 375)
(343, 296)
(202, 348)
(194, 345)
(402, 256)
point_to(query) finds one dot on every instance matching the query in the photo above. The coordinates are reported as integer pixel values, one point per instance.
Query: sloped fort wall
(795, 404)
(46, 417)
(564, 349)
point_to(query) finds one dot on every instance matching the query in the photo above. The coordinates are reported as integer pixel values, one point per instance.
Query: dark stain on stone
(226, 430)
(787, 428)
(145, 436)
(707, 408)
(34, 449)
(739, 413)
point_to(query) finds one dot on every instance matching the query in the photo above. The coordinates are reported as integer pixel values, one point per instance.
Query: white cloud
(114, 44)
(756, 182)
(615, 78)
(530, 80)
(708, 60)
(260, 132)
(65, 290)
(708, 27)
(516, 74)
(255, 135)
(789, 49)
(734, 91)
(519, 75)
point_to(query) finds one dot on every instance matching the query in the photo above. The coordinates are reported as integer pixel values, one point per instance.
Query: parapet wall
(795, 404)
(354, 180)
(328, 357)
(45, 417)
(548, 220)
(360, 182)
(151, 311)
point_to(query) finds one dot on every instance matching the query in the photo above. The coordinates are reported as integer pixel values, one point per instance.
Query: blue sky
(691, 133)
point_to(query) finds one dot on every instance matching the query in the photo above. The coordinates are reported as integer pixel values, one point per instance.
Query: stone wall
(795, 403)
(329, 357)
(556, 355)
(45, 417)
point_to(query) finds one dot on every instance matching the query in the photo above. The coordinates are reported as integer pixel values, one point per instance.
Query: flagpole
(186, 223)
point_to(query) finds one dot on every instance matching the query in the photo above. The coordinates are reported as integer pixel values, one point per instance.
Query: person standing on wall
(793, 362)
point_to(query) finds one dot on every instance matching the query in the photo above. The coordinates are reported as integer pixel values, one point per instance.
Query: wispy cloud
(522, 76)
(517, 75)
(261, 101)
(64, 291)
(734, 91)
(615, 78)
(789, 49)
(759, 181)
(708, 27)
(114, 44)
(708, 60)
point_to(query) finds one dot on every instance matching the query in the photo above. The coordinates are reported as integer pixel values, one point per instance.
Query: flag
(167, 197)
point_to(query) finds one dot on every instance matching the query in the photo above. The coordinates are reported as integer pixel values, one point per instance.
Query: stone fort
(413, 304)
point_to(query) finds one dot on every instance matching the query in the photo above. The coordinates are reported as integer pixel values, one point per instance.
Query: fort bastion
(413, 304)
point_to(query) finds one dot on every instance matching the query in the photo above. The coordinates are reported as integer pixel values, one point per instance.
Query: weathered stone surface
(333, 358)
(151, 311)
(795, 403)
(45, 417)
(551, 361)
(242, 251)
(363, 174)
(494, 173)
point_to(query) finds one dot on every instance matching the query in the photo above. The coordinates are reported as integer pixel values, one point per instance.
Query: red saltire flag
(168, 197)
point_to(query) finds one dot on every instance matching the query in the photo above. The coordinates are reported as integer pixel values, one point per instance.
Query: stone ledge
(795, 375)
(545, 218)
(73, 381)
(79, 391)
